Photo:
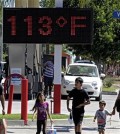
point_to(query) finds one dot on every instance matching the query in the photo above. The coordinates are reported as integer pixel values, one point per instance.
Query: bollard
(24, 101)
(57, 98)
(10, 99)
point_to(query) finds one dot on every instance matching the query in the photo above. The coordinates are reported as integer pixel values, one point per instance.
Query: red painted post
(57, 99)
(10, 99)
(24, 101)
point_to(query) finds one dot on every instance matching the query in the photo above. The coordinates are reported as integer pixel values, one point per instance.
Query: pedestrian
(41, 108)
(6, 66)
(101, 116)
(2, 99)
(48, 76)
(80, 99)
(116, 106)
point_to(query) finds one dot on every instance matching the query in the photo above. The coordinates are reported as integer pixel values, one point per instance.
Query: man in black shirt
(2, 99)
(80, 99)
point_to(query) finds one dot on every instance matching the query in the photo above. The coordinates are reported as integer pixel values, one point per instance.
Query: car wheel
(99, 98)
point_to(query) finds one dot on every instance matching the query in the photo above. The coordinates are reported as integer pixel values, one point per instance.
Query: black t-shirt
(117, 104)
(79, 97)
(1, 89)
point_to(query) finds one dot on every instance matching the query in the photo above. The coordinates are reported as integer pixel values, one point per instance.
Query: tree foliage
(106, 39)
(106, 35)
(47, 3)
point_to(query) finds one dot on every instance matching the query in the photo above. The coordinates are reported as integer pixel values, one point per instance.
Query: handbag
(70, 118)
(3, 126)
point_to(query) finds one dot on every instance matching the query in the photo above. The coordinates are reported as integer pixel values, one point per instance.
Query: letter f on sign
(74, 25)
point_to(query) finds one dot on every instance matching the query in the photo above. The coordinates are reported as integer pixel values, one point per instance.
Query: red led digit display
(28, 20)
(74, 25)
(47, 25)
(12, 21)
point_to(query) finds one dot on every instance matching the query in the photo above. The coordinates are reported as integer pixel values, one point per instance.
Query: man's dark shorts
(77, 116)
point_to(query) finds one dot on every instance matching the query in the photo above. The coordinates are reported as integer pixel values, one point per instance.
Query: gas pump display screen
(47, 25)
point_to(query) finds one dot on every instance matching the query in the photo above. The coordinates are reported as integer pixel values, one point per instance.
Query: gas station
(26, 28)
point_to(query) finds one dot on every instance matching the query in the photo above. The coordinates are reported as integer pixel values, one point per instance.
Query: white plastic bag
(51, 130)
(70, 119)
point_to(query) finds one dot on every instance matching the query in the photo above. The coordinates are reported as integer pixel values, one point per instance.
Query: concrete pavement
(63, 127)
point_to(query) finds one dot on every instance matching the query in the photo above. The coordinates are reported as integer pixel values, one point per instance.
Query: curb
(110, 93)
(57, 122)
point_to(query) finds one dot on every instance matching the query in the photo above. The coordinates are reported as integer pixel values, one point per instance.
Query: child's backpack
(117, 105)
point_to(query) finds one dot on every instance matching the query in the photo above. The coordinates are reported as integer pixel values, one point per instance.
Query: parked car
(85, 61)
(92, 81)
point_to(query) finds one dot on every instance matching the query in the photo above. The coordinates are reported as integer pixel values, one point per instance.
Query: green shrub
(107, 82)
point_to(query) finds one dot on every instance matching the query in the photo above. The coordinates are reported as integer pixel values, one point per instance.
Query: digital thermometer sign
(47, 25)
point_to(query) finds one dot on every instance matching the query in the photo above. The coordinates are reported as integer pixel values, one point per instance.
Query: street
(110, 100)
(90, 109)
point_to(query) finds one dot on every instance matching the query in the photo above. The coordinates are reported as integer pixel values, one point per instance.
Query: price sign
(47, 25)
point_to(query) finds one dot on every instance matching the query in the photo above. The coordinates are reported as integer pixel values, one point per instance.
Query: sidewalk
(63, 127)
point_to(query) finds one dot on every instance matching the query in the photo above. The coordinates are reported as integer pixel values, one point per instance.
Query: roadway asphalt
(62, 126)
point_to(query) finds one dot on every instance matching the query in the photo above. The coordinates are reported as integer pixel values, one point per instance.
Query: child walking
(101, 115)
(41, 108)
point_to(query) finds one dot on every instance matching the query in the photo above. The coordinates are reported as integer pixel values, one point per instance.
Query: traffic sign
(116, 14)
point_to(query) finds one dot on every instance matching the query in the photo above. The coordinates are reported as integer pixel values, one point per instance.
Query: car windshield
(78, 70)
